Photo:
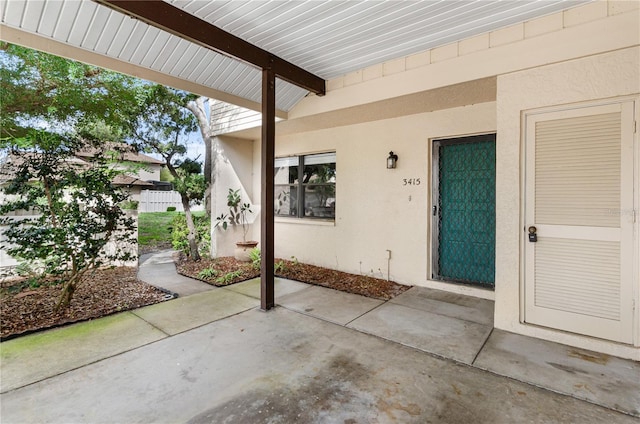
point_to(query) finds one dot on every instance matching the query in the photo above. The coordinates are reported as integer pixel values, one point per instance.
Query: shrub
(129, 205)
(208, 273)
(279, 267)
(229, 277)
(180, 231)
(254, 256)
(31, 273)
(256, 260)
(76, 213)
(171, 208)
(237, 213)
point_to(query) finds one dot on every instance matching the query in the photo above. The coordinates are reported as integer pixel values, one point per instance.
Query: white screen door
(579, 197)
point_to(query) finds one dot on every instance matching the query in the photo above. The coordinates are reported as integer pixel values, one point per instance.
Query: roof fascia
(182, 24)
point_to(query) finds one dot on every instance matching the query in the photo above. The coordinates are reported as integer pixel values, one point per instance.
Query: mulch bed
(363, 285)
(104, 292)
(24, 310)
(225, 270)
(351, 283)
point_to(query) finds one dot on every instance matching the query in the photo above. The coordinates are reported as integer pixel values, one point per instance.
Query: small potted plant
(238, 215)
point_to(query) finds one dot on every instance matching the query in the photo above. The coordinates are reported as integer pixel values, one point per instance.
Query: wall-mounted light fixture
(391, 160)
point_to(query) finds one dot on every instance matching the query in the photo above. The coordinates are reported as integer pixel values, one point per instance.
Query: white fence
(159, 201)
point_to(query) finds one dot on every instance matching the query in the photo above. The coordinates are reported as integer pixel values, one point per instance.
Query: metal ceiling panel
(97, 27)
(12, 12)
(79, 23)
(106, 35)
(32, 16)
(47, 26)
(131, 42)
(198, 68)
(327, 38)
(333, 38)
(120, 37)
(63, 25)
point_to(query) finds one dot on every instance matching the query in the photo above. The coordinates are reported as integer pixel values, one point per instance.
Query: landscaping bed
(227, 270)
(24, 309)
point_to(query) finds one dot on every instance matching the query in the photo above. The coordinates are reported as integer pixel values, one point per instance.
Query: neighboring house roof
(120, 151)
(127, 180)
(12, 162)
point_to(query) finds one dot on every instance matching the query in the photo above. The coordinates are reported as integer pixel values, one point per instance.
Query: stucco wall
(375, 212)
(233, 165)
(598, 77)
(150, 172)
(134, 193)
(582, 54)
(142, 171)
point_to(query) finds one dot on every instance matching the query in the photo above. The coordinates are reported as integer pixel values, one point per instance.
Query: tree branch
(47, 190)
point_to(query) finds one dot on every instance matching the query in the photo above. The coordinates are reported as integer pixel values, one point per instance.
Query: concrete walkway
(159, 269)
(321, 356)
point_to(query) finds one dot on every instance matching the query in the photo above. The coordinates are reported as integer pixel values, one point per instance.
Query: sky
(195, 144)
(196, 147)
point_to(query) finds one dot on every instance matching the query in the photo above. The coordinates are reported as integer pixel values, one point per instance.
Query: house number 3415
(410, 181)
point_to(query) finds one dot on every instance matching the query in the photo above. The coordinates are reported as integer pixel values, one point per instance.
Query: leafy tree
(197, 107)
(43, 91)
(179, 233)
(165, 175)
(162, 126)
(49, 106)
(190, 181)
(73, 207)
(190, 166)
(40, 90)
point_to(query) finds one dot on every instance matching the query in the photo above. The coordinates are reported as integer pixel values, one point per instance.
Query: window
(305, 186)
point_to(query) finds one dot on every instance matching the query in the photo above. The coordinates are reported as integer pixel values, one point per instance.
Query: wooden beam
(267, 289)
(174, 20)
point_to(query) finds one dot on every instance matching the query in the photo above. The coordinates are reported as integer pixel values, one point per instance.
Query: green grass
(154, 228)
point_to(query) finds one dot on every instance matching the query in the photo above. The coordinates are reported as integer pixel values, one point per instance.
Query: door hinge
(635, 127)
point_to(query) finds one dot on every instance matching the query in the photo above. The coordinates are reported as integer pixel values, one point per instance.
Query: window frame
(300, 189)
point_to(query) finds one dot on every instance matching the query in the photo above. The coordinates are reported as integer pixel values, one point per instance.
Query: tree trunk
(73, 280)
(197, 108)
(207, 175)
(68, 290)
(192, 236)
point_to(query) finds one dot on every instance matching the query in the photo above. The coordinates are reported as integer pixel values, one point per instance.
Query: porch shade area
(266, 56)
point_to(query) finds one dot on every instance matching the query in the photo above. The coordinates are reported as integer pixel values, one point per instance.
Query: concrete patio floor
(320, 356)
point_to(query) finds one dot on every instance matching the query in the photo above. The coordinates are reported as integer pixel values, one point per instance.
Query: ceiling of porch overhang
(327, 38)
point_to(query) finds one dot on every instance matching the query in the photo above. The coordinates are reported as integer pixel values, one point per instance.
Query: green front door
(465, 212)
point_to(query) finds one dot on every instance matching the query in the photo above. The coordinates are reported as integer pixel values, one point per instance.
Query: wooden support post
(267, 296)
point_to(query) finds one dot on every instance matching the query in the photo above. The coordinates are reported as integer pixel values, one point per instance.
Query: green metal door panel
(466, 197)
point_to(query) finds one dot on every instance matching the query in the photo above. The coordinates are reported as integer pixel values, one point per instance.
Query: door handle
(533, 234)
